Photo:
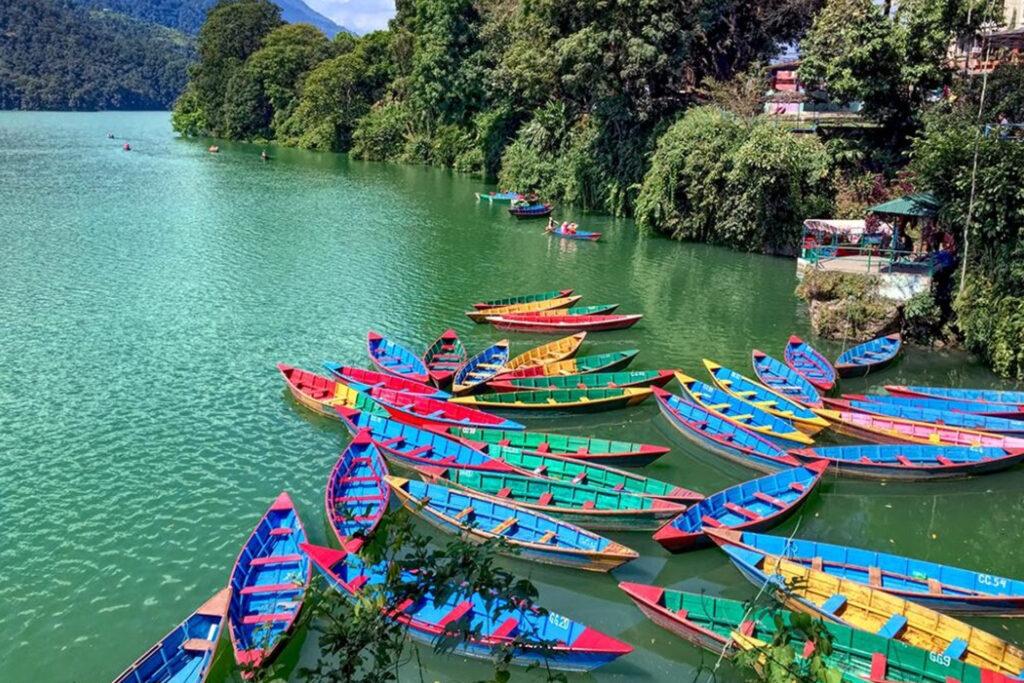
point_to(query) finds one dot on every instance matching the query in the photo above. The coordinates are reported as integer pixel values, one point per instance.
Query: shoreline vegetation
(654, 110)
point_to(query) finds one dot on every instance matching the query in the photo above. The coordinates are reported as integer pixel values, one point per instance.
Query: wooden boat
(981, 423)
(498, 197)
(420, 411)
(480, 316)
(558, 400)
(912, 462)
(533, 536)
(940, 587)
(722, 437)
(481, 368)
(323, 395)
(560, 324)
(357, 496)
(1010, 411)
(1015, 398)
(869, 356)
(522, 299)
(759, 396)
(740, 412)
(713, 623)
(531, 211)
(560, 468)
(852, 604)
(268, 585)
(559, 231)
(585, 506)
(809, 364)
(588, 449)
(582, 365)
(185, 654)
(755, 504)
(552, 352)
(596, 309)
(410, 447)
(784, 380)
(575, 647)
(364, 380)
(444, 357)
(881, 429)
(597, 380)
(394, 359)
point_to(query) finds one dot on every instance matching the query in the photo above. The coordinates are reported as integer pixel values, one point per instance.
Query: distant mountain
(188, 15)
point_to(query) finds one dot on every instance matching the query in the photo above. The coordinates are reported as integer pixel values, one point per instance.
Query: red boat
(420, 411)
(362, 380)
(561, 324)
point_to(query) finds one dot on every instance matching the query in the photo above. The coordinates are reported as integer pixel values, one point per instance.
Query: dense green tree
(289, 52)
(334, 96)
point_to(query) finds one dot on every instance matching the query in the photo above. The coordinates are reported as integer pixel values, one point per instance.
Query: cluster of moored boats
(450, 419)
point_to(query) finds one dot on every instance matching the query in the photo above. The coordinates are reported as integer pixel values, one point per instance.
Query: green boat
(584, 506)
(710, 622)
(597, 476)
(595, 309)
(522, 299)
(596, 380)
(558, 400)
(583, 365)
(586, 448)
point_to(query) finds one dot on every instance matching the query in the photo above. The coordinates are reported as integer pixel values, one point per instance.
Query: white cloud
(361, 16)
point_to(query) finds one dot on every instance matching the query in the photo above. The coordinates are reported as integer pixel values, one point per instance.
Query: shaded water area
(147, 295)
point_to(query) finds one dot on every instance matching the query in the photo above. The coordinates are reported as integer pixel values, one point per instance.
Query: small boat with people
(810, 363)
(570, 231)
(869, 357)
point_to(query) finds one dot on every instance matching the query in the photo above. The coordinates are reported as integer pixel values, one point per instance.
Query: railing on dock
(870, 260)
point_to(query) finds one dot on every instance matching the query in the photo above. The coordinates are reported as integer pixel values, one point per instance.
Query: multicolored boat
(185, 654)
(268, 585)
(911, 462)
(481, 368)
(868, 357)
(576, 647)
(420, 411)
(1008, 411)
(364, 380)
(444, 357)
(357, 496)
(394, 359)
(588, 449)
(560, 231)
(722, 437)
(853, 604)
(595, 309)
(411, 447)
(323, 395)
(558, 400)
(881, 429)
(1013, 398)
(940, 587)
(498, 197)
(480, 316)
(596, 380)
(784, 380)
(533, 536)
(531, 211)
(981, 423)
(810, 364)
(560, 324)
(583, 365)
(545, 354)
(759, 396)
(740, 412)
(599, 476)
(523, 299)
(755, 504)
(585, 506)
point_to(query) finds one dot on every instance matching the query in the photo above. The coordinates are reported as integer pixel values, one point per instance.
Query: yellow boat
(873, 610)
(561, 400)
(323, 395)
(552, 352)
(480, 317)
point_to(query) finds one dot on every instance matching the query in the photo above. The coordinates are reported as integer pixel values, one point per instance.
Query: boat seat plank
(875, 577)
(834, 604)
(274, 559)
(747, 628)
(251, 619)
(416, 452)
(934, 587)
(270, 588)
(464, 512)
(956, 649)
(588, 505)
(546, 538)
(893, 626)
(281, 531)
(580, 478)
(742, 511)
(545, 498)
(460, 610)
(771, 500)
(504, 493)
(359, 582)
(797, 486)
(507, 628)
(710, 521)
(198, 645)
(502, 527)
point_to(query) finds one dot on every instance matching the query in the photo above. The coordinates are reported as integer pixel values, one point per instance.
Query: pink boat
(560, 324)
(880, 429)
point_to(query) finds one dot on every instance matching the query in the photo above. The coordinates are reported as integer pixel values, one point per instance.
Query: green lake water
(145, 297)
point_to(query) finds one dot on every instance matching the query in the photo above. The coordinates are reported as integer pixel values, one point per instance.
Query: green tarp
(917, 205)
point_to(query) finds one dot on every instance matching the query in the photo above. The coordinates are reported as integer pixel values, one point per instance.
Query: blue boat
(575, 647)
(394, 359)
(498, 196)
(1010, 411)
(984, 423)
(868, 357)
(535, 210)
(759, 396)
(532, 536)
(756, 504)
(480, 368)
(1014, 398)
(911, 462)
(412, 447)
(722, 437)
(741, 413)
(940, 587)
(784, 380)
(185, 654)
(268, 585)
(810, 364)
(357, 495)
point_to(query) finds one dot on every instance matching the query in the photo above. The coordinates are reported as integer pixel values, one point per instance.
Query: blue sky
(360, 16)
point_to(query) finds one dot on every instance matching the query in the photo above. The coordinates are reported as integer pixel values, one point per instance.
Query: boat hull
(555, 324)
